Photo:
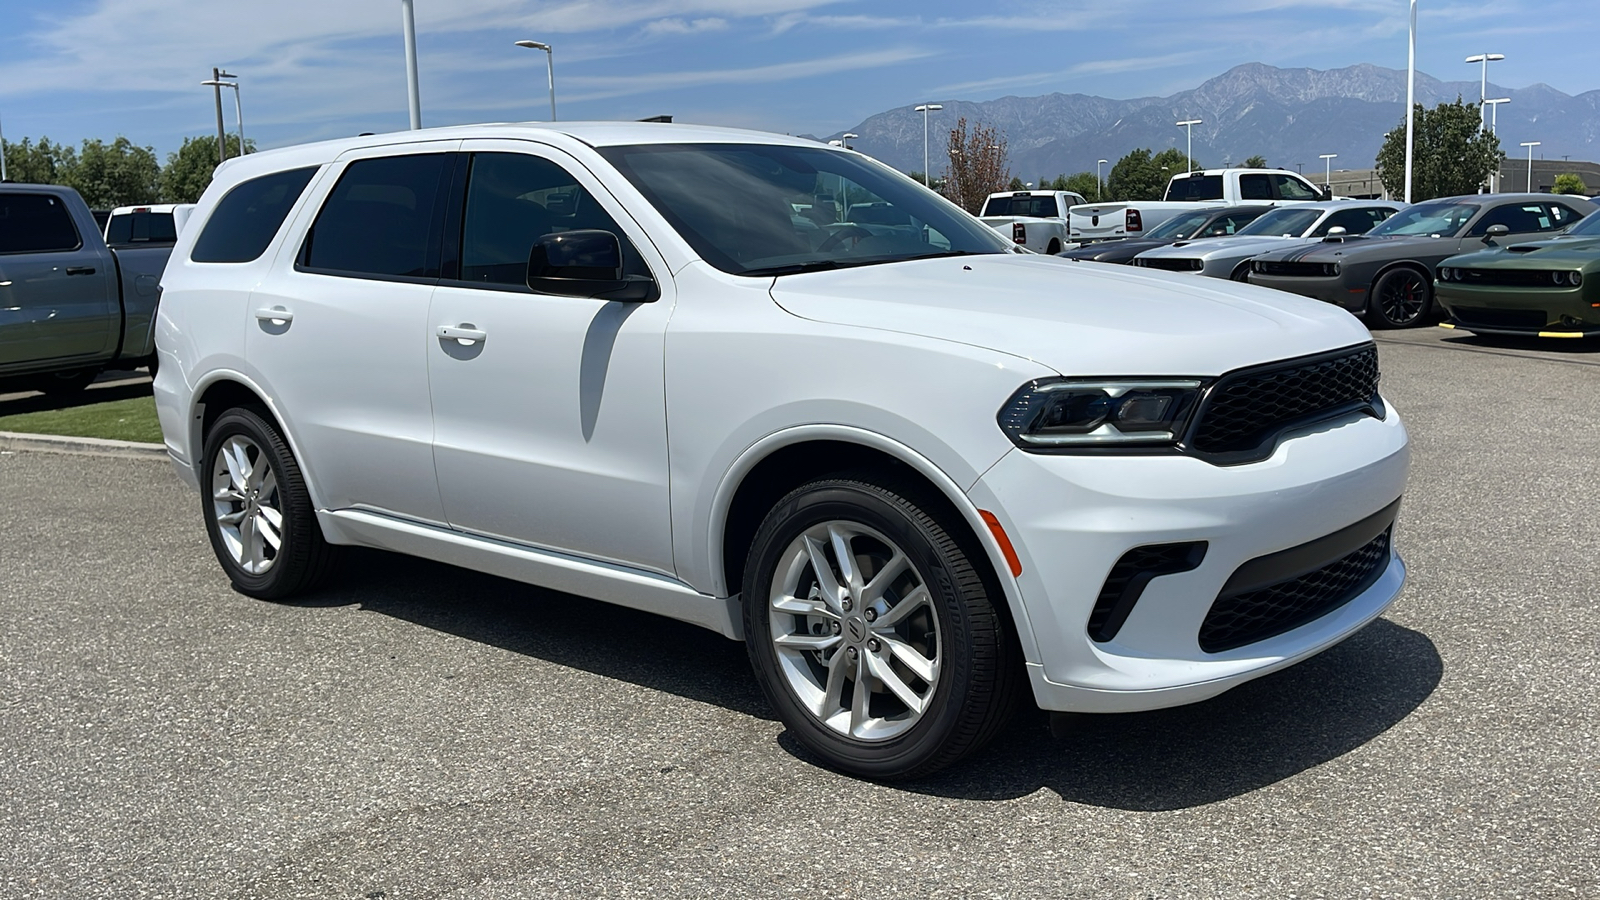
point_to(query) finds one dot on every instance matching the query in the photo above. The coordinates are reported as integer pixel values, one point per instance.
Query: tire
(1400, 298)
(63, 384)
(1053, 248)
(917, 592)
(1241, 273)
(250, 478)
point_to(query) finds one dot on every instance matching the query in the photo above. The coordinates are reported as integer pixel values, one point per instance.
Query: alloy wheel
(247, 505)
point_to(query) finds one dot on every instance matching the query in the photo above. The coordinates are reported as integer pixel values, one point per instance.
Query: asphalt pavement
(422, 731)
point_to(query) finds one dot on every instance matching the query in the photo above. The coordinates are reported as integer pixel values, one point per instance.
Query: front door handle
(463, 334)
(277, 315)
(80, 270)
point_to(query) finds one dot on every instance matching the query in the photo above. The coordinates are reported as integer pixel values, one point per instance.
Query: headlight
(1444, 273)
(1060, 413)
(1574, 278)
(1330, 269)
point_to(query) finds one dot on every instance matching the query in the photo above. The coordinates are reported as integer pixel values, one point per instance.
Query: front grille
(1260, 614)
(1246, 410)
(1531, 319)
(1128, 578)
(1531, 278)
(1292, 269)
(1170, 264)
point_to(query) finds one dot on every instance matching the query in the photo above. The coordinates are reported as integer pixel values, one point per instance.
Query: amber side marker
(1008, 551)
(1445, 325)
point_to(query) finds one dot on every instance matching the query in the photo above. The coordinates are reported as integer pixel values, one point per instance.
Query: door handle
(277, 315)
(80, 270)
(463, 334)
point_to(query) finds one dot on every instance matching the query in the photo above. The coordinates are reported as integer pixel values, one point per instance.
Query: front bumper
(1333, 290)
(1564, 312)
(1072, 517)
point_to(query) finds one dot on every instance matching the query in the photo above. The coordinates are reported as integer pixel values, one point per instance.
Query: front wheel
(1401, 298)
(258, 512)
(1054, 248)
(872, 633)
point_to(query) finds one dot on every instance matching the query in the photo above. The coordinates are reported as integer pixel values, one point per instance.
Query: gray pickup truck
(69, 305)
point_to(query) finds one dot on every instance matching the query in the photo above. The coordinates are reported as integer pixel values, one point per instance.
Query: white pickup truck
(1188, 191)
(1034, 219)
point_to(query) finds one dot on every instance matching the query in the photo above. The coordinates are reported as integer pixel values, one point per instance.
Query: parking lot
(422, 731)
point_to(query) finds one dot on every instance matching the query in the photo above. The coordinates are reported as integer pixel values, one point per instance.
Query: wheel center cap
(856, 628)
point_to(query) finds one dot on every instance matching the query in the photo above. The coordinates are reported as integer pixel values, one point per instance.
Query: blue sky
(313, 69)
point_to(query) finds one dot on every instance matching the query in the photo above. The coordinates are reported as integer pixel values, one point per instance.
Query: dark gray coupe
(1388, 273)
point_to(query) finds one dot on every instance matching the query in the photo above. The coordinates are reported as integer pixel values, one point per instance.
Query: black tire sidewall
(1375, 303)
(842, 500)
(299, 529)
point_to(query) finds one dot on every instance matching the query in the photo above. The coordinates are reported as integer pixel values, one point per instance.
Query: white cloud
(673, 27)
(604, 86)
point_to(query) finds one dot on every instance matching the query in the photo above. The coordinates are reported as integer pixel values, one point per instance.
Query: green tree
(1174, 161)
(188, 171)
(1083, 183)
(1256, 162)
(115, 174)
(41, 163)
(1570, 183)
(1452, 155)
(1135, 177)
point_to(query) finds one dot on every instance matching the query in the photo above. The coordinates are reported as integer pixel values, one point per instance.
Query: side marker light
(1006, 550)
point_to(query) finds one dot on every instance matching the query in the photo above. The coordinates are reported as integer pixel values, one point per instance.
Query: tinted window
(1520, 218)
(1195, 187)
(1179, 227)
(141, 228)
(1287, 221)
(1233, 222)
(1254, 187)
(247, 217)
(1590, 226)
(1443, 218)
(1038, 207)
(1353, 221)
(512, 201)
(1291, 188)
(35, 223)
(1561, 216)
(379, 218)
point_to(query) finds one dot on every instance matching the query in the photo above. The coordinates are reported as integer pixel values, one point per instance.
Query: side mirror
(1495, 231)
(585, 263)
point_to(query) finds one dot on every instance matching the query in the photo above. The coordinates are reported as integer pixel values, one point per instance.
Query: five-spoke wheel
(1401, 298)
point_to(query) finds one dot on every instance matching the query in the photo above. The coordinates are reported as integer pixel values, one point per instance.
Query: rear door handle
(277, 315)
(80, 270)
(463, 334)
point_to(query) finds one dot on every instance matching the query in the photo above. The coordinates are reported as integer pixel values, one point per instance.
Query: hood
(1124, 247)
(1203, 248)
(1358, 247)
(1076, 318)
(1565, 252)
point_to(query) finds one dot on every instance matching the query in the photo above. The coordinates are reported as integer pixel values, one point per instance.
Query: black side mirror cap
(1495, 231)
(585, 263)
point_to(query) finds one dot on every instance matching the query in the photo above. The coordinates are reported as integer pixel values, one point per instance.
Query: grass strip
(131, 419)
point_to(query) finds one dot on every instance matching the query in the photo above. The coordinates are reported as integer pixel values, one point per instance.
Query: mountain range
(1289, 116)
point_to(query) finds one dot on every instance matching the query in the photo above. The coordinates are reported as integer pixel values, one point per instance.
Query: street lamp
(1099, 183)
(1530, 145)
(1483, 88)
(3, 156)
(1327, 167)
(847, 137)
(1494, 120)
(1411, 98)
(925, 109)
(550, 64)
(408, 25)
(1188, 125)
(238, 110)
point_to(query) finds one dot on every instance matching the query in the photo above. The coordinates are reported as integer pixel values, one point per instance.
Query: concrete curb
(83, 446)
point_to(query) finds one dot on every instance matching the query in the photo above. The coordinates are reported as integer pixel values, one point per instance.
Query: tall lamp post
(1494, 120)
(3, 155)
(550, 64)
(925, 109)
(1188, 125)
(1099, 183)
(216, 84)
(1411, 98)
(408, 25)
(1530, 145)
(238, 110)
(1327, 168)
(1483, 88)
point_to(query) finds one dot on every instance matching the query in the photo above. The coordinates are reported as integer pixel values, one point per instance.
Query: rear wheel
(258, 512)
(1401, 298)
(1054, 248)
(873, 634)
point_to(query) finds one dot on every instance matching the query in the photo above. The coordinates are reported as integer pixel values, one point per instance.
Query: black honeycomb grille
(1292, 269)
(1246, 409)
(1532, 278)
(1257, 615)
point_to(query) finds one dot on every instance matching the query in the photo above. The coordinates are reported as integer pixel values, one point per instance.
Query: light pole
(1494, 120)
(550, 64)
(1483, 89)
(925, 109)
(408, 25)
(1188, 125)
(1530, 145)
(2, 155)
(1327, 168)
(1411, 97)
(238, 110)
(1099, 183)
(216, 89)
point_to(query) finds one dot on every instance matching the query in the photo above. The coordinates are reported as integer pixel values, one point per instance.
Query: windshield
(1180, 227)
(1428, 218)
(1589, 227)
(758, 209)
(1195, 187)
(1038, 207)
(1289, 221)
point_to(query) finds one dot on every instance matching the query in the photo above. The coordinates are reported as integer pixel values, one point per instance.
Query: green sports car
(1547, 288)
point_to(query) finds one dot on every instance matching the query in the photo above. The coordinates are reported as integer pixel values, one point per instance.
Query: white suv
(917, 471)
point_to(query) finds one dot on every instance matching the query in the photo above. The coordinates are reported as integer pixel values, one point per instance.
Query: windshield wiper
(816, 265)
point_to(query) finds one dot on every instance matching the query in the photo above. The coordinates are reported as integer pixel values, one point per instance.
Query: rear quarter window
(247, 217)
(36, 223)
